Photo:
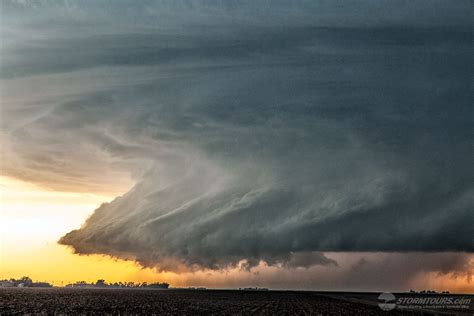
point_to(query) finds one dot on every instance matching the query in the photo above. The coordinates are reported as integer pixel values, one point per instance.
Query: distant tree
(100, 282)
(26, 281)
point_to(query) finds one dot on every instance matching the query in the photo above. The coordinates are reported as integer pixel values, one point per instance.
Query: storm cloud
(252, 133)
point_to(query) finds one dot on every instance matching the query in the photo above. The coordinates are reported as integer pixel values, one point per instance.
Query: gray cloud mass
(260, 132)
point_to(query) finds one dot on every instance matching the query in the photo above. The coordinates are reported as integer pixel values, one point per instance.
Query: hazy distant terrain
(182, 302)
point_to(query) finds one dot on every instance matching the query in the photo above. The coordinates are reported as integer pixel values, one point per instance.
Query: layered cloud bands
(250, 137)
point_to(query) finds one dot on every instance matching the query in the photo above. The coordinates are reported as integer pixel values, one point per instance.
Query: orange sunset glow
(32, 221)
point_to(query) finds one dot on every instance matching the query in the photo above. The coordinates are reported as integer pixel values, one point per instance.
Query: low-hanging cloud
(257, 142)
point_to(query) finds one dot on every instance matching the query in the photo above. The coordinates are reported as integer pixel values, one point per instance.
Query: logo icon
(387, 301)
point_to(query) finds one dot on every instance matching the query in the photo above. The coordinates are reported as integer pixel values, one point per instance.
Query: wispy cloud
(251, 135)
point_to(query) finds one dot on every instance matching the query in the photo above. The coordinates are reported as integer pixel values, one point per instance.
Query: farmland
(179, 302)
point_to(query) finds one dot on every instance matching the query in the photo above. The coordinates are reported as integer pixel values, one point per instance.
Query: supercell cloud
(253, 132)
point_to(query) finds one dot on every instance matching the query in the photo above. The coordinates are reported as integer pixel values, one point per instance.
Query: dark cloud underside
(250, 136)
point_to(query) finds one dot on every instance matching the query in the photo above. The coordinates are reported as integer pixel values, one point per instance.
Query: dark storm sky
(267, 131)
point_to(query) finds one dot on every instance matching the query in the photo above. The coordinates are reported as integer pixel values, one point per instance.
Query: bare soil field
(178, 302)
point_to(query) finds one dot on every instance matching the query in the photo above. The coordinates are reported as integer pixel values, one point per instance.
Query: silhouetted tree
(100, 282)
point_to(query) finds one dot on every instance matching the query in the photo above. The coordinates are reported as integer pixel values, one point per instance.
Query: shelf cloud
(257, 133)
